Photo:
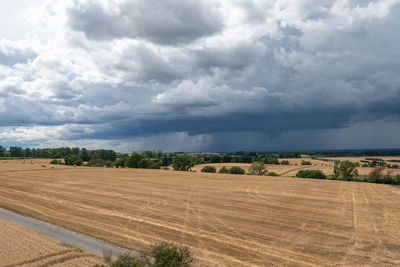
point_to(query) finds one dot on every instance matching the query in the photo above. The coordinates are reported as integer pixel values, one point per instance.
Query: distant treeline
(361, 153)
(56, 153)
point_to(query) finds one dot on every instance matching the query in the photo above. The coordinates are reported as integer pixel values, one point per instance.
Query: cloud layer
(145, 74)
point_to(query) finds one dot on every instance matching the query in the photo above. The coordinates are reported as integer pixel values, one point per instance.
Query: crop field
(20, 246)
(226, 220)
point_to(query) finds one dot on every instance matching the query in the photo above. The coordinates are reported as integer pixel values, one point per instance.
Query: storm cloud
(204, 75)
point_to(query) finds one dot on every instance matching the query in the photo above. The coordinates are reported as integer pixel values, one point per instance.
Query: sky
(200, 75)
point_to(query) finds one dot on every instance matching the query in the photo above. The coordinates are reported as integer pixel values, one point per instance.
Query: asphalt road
(66, 236)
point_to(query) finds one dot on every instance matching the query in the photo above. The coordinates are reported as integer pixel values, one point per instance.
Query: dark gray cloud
(163, 22)
(247, 75)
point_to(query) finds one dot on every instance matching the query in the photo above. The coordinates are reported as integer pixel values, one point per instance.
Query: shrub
(257, 168)
(305, 162)
(223, 170)
(182, 163)
(272, 174)
(236, 170)
(162, 255)
(209, 169)
(168, 254)
(285, 162)
(311, 174)
(54, 161)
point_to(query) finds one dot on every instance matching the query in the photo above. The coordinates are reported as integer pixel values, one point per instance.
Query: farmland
(22, 247)
(226, 220)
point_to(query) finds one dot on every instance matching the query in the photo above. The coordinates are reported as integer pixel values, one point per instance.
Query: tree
(84, 155)
(136, 160)
(257, 168)
(348, 169)
(73, 160)
(182, 162)
(336, 170)
(376, 175)
(16, 151)
(2, 151)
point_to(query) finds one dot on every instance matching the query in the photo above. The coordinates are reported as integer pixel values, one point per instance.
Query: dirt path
(68, 237)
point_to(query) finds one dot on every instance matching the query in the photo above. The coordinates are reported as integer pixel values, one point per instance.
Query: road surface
(66, 236)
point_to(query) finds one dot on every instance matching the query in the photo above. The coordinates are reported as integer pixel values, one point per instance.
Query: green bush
(162, 255)
(223, 170)
(209, 169)
(236, 170)
(311, 174)
(169, 254)
(285, 162)
(272, 174)
(54, 161)
(305, 162)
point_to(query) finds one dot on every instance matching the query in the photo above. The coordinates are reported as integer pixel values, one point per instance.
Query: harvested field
(226, 220)
(20, 246)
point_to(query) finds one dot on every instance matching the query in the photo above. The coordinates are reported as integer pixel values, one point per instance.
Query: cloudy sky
(200, 75)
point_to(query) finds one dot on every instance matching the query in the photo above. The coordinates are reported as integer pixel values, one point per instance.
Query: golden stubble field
(20, 246)
(226, 220)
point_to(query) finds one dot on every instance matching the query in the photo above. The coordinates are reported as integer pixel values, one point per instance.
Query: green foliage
(348, 170)
(182, 162)
(223, 170)
(236, 170)
(99, 163)
(54, 161)
(272, 174)
(215, 159)
(376, 175)
(73, 160)
(336, 170)
(311, 174)
(169, 254)
(136, 160)
(209, 169)
(162, 255)
(285, 162)
(257, 168)
(120, 162)
(156, 165)
(306, 162)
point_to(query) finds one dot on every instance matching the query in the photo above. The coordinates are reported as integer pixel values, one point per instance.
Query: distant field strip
(226, 220)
